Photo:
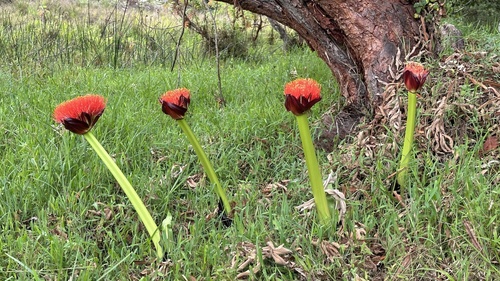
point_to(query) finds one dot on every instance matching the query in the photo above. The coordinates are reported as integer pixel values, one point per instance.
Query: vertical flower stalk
(414, 76)
(300, 96)
(175, 104)
(79, 116)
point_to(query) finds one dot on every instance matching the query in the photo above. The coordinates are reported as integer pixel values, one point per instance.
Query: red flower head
(414, 76)
(81, 113)
(301, 94)
(175, 103)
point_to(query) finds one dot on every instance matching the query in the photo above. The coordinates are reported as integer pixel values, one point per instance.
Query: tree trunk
(358, 39)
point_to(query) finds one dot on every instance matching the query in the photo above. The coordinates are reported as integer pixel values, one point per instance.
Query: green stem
(313, 169)
(143, 212)
(408, 141)
(206, 163)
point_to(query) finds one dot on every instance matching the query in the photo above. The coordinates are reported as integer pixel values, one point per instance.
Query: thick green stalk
(206, 163)
(139, 206)
(313, 169)
(408, 141)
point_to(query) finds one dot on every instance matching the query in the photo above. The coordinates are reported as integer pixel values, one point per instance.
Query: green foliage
(484, 12)
(426, 4)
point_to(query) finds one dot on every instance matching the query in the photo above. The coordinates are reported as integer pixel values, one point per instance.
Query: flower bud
(414, 76)
(175, 103)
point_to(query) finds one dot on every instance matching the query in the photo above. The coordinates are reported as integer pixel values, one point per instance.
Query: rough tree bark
(358, 40)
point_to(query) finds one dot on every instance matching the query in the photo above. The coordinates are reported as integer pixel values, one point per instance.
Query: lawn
(64, 217)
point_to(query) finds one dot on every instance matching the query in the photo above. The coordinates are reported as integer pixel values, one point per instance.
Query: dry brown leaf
(406, 262)
(378, 250)
(247, 250)
(194, 180)
(390, 109)
(212, 214)
(279, 254)
(472, 235)
(153, 268)
(357, 278)
(94, 213)
(369, 264)
(60, 233)
(399, 198)
(246, 274)
(339, 197)
(329, 249)
(176, 170)
(491, 143)
(491, 83)
(496, 68)
(360, 231)
(435, 133)
(108, 213)
(277, 186)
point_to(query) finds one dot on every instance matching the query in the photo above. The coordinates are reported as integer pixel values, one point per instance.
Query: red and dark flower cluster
(81, 113)
(301, 94)
(175, 103)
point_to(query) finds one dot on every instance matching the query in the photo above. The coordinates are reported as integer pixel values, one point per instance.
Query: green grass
(63, 215)
(53, 175)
